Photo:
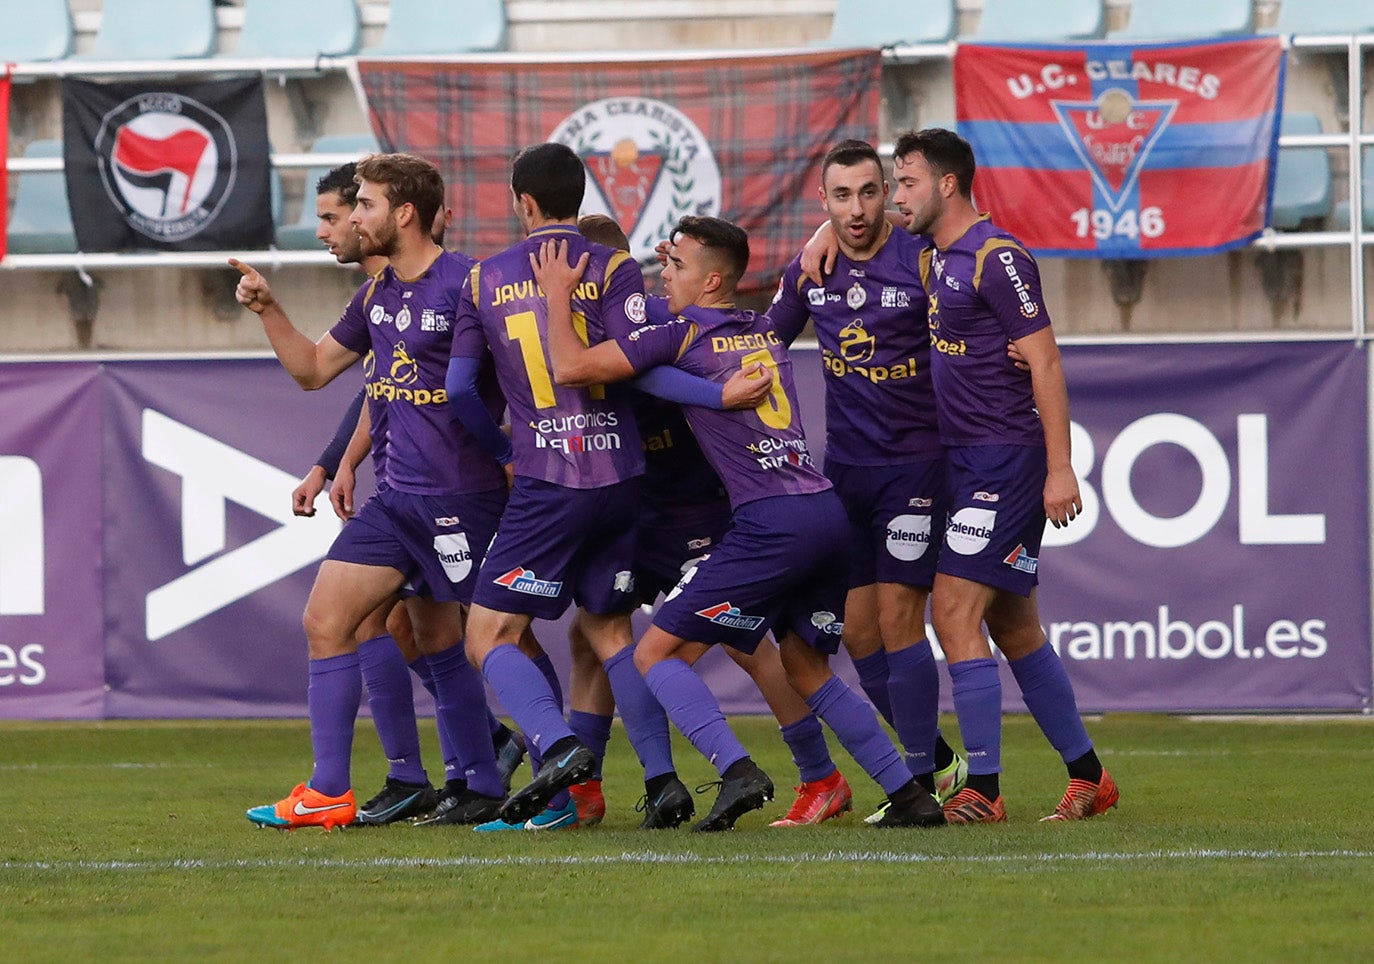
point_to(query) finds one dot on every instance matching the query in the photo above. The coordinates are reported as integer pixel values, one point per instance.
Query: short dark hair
(553, 176)
(600, 229)
(727, 240)
(407, 179)
(848, 153)
(340, 181)
(945, 151)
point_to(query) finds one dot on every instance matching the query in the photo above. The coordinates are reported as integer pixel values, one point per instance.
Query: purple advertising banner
(52, 646)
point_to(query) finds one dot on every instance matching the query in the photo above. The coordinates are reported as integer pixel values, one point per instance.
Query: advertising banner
(1112, 150)
(741, 138)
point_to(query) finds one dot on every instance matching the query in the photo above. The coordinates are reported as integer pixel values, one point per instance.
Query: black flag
(170, 166)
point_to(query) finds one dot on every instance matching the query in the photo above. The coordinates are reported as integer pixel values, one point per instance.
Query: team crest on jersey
(724, 614)
(856, 297)
(1113, 136)
(649, 164)
(168, 164)
(403, 318)
(635, 309)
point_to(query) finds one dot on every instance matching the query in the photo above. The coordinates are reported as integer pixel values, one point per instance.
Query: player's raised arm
(312, 364)
(573, 362)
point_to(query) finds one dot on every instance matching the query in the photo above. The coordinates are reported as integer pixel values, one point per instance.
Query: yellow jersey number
(523, 328)
(775, 411)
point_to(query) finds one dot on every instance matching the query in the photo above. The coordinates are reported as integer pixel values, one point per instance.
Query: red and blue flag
(1112, 150)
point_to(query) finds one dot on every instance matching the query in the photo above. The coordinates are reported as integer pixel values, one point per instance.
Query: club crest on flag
(167, 162)
(648, 164)
(1113, 136)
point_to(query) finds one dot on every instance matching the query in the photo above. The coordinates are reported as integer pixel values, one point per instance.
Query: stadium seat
(44, 32)
(1175, 19)
(1040, 20)
(41, 220)
(1302, 184)
(424, 27)
(299, 28)
(872, 23)
(154, 30)
(300, 235)
(1342, 215)
(1325, 17)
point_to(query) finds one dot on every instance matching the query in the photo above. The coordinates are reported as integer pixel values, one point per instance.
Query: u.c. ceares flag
(1113, 150)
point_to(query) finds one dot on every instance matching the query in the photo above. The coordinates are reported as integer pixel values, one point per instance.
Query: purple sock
(526, 695)
(335, 688)
(453, 770)
(806, 740)
(593, 731)
(859, 733)
(1049, 696)
(872, 670)
(978, 704)
(695, 712)
(545, 666)
(913, 683)
(461, 702)
(393, 708)
(493, 724)
(645, 722)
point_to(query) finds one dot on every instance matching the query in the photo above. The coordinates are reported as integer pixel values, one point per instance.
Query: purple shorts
(435, 541)
(996, 515)
(555, 545)
(670, 543)
(781, 566)
(896, 514)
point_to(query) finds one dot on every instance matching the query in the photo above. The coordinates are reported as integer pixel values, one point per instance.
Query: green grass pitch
(1235, 839)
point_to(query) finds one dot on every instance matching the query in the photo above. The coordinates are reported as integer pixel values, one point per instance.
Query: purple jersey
(759, 453)
(870, 320)
(984, 292)
(408, 326)
(581, 438)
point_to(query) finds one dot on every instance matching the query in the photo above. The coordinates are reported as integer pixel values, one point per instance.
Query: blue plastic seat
(873, 23)
(41, 220)
(1034, 21)
(300, 235)
(43, 32)
(299, 28)
(1302, 184)
(1325, 16)
(1178, 19)
(155, 30)
(1342, 215)
(418, 27)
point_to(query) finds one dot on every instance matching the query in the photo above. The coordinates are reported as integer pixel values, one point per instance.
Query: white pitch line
(106, 766)
(650, 857)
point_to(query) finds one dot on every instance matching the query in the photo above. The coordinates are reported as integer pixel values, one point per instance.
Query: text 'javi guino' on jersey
(582, 438)
(758, 453)
(984, 292)
(870, 321)
(408, 325)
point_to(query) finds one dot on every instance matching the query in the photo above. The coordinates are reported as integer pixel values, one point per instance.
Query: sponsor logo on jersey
(1021, 561)
(826, 622)
(546, 430)
(523, 580)
(856, 344)
(1029, 308)
(444, 521)
(455, 554)
(895, 298)
(908, 537)
(919, 503)
(986, 497)
(431, 320)
(695, 544)
(816, 297)
(378, 315)
(969, 530)
(649, 164)
(724, 614)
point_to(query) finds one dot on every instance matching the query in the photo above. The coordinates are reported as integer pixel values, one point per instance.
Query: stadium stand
(40, 221)
(1177, 19)
(1033, 21)
(299, 28)
(300, 234)
(155, 30)
(418, 27)
(1302, 184)
(1325, 17)
(870, 23)
(1342, 214)
(44, 32)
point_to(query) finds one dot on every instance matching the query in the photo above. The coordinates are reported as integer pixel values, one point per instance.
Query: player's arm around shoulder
(312, 364)
(574, 364)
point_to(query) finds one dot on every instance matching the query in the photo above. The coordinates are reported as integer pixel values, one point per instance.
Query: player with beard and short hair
(431, 521)
(882, 449)
(781, 566)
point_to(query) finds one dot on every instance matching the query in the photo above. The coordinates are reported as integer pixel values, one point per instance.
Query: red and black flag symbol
(183, 166)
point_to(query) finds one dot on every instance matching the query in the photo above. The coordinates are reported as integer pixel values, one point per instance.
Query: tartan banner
(1112, 150)
(739, 138)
